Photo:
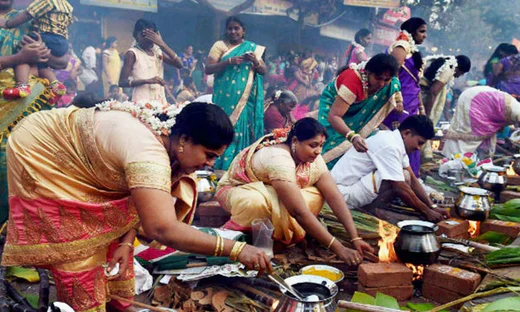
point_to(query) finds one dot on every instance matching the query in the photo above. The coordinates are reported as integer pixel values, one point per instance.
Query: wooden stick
(364, 307)
(139, 304)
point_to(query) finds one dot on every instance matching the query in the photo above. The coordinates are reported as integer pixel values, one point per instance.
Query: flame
(436, 144)
(474, 228)
(386, 243)
(418, 271)
(510, 171)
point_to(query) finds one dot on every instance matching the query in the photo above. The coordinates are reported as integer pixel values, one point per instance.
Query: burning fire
(474, 228)
(418, 271)
(510, 171)
(386, 243)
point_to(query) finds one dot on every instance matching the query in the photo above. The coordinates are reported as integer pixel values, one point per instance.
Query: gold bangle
(331, 242)
(236, 250)
(350, 134)
(222, 245)
(217, 246)
(127, 244)
(355, 135)
(356, 239)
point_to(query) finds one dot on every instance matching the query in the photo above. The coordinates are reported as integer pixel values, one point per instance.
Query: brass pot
(473, 203)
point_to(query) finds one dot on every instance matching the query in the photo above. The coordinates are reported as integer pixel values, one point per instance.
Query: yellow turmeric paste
(333, 276)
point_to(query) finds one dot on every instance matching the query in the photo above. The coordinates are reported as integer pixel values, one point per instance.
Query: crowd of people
(289, 133)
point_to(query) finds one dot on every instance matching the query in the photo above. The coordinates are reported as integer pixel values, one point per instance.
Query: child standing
(50, 18)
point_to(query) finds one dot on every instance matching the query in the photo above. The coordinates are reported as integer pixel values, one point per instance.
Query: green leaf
(386, 301)
(420, 307)
(32, 299)
(30, 275)
(505, 304)
(360, 297)
(493, 237)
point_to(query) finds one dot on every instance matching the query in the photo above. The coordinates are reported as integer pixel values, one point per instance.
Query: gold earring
(181, 149)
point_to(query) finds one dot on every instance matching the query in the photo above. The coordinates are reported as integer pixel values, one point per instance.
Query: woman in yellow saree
(284, 178)
(82, 180)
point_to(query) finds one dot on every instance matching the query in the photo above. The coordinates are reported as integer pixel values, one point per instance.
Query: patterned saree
(69, 197)
(239, 90)
(245, 190)
(362, 116)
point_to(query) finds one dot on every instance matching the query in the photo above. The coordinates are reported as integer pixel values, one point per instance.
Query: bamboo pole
(364, 307)
(139, 304)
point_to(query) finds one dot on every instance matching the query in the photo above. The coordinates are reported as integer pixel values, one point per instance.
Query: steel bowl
(322, 289)
(473, 203)
(494, 179)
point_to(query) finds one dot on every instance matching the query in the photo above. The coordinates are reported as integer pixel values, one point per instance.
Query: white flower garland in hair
(358, 67)
(146, 112)
(277, 94)
(360, 47)
(413, 46)
(450, 63)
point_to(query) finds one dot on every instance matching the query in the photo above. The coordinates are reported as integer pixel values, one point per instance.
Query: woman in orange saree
(283, 177)
(82, 180)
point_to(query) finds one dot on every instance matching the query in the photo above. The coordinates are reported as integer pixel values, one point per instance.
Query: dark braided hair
(305, 129)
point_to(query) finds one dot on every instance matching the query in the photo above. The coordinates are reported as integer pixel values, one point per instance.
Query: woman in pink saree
(481, 112)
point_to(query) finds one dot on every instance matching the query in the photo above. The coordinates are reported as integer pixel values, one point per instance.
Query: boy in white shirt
(367, 179)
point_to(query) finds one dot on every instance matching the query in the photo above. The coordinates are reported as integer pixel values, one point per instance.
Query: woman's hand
(349, 256)
(156, 80)
(154, 37)
(360, 144)
(362, 246)
(121, 255)
(237, 60)
(399, 108)
(251, 57)
(255, 259)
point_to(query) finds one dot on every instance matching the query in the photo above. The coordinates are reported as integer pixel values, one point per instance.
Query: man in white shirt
(367, 179)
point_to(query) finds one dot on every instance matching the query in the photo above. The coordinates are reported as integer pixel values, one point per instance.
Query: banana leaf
(509, 255)
(421, 307)
(28, 274)
(493, 237)
(505, 304)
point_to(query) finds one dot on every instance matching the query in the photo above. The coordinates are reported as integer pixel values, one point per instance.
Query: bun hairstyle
(205, 124)
(411, 25)
(283, 96)
(305, 129)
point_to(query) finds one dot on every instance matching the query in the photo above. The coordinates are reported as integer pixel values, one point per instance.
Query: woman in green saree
(238, 88)
(354, 104)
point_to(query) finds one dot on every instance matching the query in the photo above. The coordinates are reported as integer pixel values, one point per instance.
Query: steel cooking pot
(320, 291)
(516, 163)
(416, 242)
(494, 179)
(473, 203)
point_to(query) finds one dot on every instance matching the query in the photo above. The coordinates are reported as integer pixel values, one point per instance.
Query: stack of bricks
(453, 228)
(210, 214)
(511, 229)
(509, 194)
(393, 279)
(443, 283)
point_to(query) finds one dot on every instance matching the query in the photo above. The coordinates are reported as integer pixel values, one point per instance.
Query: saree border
(339, 150)
(61, 252)
(88, 142)
(237, 112)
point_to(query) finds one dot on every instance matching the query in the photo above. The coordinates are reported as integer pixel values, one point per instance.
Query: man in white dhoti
(368, 180)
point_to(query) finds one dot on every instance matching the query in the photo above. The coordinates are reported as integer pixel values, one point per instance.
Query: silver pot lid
(404, 223)
(492, 168)
(314, 279)
(475, 191)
